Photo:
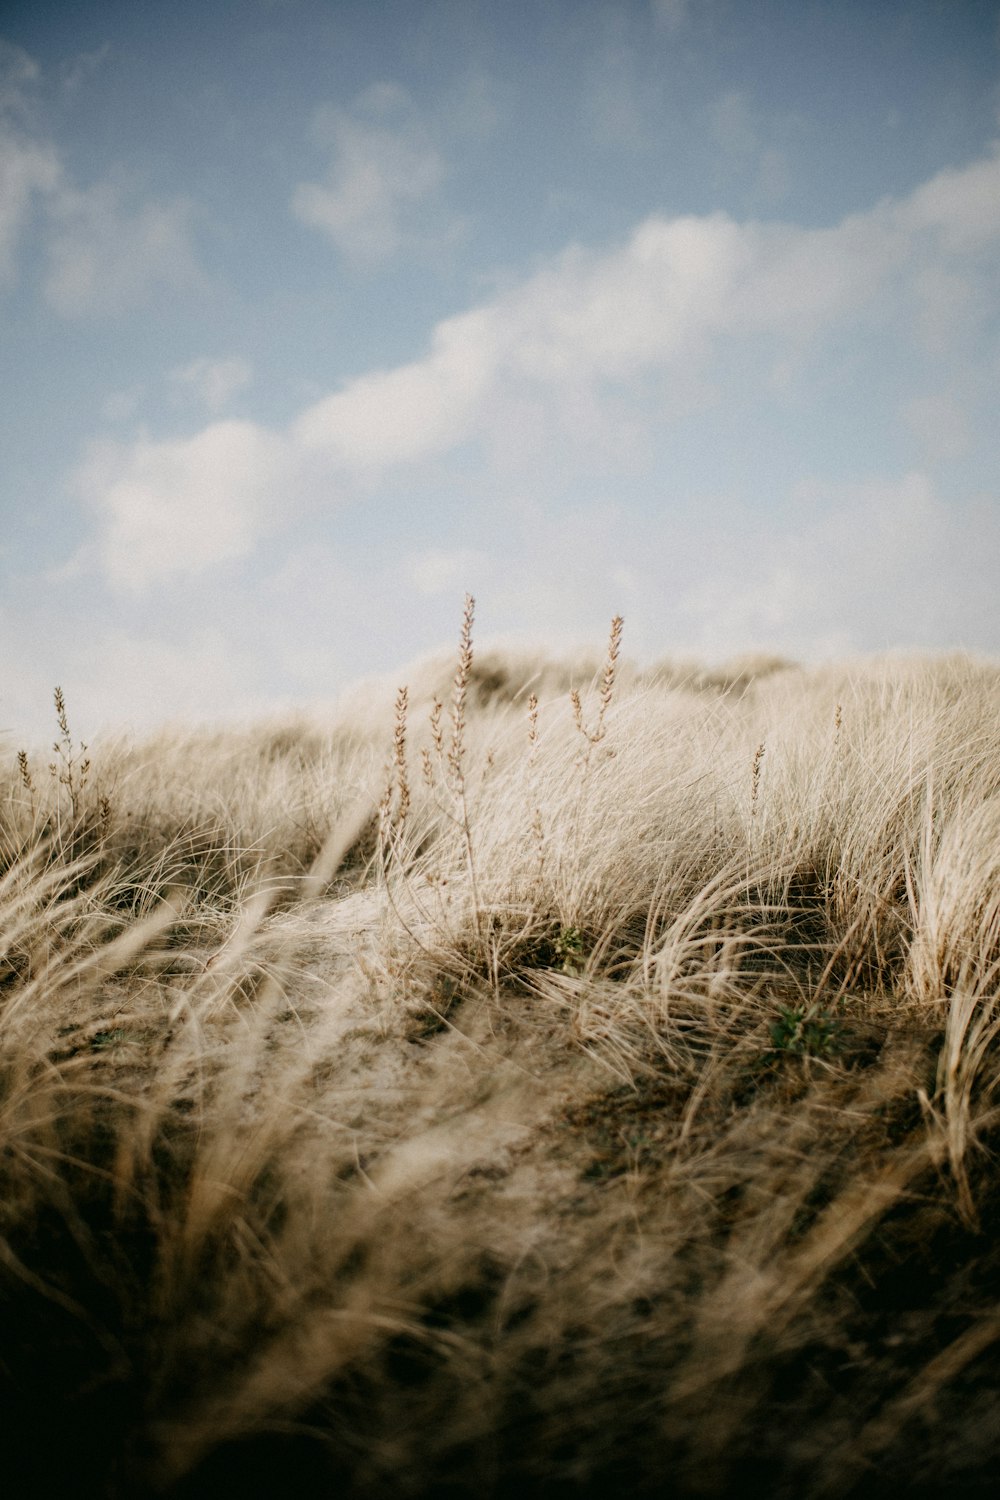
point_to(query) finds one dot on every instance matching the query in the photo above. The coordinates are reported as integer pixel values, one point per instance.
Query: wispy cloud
(122, 405)
(77, 71)
(383, 168)
(29, 165)
(213, 382)
(19, 73)
(102, 249)
(28, 171)
(671, 15)
(743, 135)
(106, 255)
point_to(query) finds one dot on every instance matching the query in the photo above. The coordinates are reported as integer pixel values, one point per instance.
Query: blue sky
(316, 315)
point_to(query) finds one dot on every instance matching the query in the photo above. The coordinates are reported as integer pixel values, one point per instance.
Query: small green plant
(562, 949)
(805, 1031)
(567, 950)
(103, 1041)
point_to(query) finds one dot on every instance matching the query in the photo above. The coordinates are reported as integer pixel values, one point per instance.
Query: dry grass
(574, 1081)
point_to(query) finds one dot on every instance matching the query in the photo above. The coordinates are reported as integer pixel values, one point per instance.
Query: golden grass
(593, 1091)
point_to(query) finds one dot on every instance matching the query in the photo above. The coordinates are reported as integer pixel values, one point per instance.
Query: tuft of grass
(805, 1031)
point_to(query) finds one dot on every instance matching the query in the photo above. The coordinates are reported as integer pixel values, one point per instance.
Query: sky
(316, 316)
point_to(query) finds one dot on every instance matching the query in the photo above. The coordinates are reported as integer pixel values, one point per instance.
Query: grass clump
(559, 1080)
(805, 1032)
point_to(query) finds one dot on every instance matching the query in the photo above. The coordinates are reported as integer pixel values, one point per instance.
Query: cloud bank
(589, 333)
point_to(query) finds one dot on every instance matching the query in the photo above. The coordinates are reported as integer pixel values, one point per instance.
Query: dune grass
(566, 1080)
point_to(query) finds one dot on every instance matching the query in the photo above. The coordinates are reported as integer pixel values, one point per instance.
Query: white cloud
(952, 226)
(611, 316)
(962, 205)
(214, 381)
(590, 353)
(178, 507)
(592, 321)
(796, 281)
(948, 305)
(105, 256)
(379, 174)
(402, 415)
(583, 320)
